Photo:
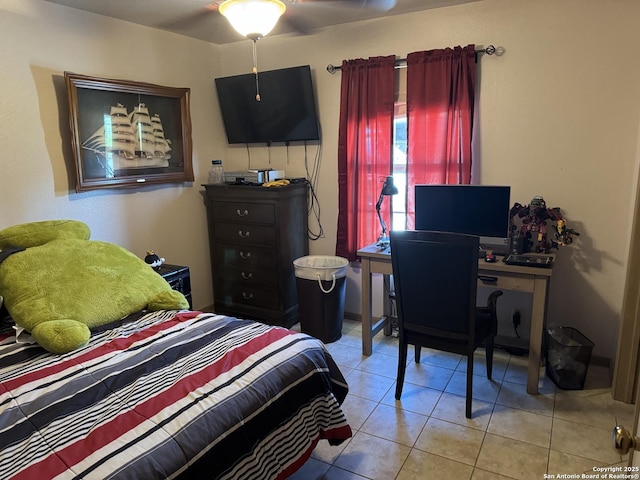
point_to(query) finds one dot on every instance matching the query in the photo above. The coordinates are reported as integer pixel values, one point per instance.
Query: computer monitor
(480, 210)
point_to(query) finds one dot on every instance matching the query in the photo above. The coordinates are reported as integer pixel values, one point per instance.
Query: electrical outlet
(516, 318)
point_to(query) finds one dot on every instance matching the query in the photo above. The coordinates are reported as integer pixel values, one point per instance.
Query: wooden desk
(532, 280)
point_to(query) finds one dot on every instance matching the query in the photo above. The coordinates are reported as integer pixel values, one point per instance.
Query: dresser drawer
(246, 295)
(245, 212)
(245, 234)
(248, 275)
(245, 255)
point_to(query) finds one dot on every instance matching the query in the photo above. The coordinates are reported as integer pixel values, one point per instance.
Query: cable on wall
(314, 203)
(248, 157)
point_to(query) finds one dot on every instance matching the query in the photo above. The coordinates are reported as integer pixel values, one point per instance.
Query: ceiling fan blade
(383, 5)
(189, 20)
(294, 24)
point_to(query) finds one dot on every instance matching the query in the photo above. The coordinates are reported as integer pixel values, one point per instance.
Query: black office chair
(435, 276)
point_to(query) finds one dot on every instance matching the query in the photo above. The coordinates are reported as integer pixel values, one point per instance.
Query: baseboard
(512, 345)
(601, 361)
(353, 316)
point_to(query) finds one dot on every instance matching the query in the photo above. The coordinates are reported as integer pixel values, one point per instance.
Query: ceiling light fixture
(252, 18)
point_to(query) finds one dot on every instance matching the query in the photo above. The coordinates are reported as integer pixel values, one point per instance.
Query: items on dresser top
(252, 176)
(255, 234)
(216, 172)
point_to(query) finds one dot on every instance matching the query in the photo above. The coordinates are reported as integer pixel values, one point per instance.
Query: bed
(92, 388)
(168, 394)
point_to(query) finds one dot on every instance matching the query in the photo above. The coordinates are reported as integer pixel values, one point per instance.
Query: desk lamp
(388, 188)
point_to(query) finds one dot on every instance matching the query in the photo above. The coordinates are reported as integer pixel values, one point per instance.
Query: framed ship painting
(126, 133)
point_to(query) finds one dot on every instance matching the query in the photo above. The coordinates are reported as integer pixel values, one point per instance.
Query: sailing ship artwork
(129, 139)
(128, 134)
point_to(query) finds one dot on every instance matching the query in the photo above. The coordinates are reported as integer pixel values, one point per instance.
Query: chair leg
(469, 384)
(488, 348)
(402, 365)
(417, 353)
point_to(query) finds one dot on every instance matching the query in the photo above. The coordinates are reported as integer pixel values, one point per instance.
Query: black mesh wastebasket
(567, 357)
(321, 285)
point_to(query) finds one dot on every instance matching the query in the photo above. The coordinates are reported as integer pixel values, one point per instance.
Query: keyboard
(529, 260)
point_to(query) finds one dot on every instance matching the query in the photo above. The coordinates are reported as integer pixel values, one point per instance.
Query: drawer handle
(245, 255)
(487, 279)
(247, 296)
(244, 234)
(244, 213)
(247, 276)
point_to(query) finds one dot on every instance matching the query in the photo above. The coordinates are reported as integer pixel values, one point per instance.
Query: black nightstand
(178, 277)
(4, 314)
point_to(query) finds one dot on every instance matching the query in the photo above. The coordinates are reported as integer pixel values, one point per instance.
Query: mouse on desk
(382, 244)
(490, 257)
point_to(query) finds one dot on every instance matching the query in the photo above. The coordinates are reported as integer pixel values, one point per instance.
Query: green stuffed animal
(64, 284)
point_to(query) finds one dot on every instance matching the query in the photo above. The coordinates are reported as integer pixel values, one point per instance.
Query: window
(381, 107)
(399, 154)
(399, 172)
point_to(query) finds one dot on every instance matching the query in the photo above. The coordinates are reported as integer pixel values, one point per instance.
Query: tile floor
(425, 435)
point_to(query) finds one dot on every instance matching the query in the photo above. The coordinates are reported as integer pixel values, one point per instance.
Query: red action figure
(533, 230)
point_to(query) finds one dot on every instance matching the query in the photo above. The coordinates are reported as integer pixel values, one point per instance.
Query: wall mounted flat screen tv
(286, 111)
(480, 210)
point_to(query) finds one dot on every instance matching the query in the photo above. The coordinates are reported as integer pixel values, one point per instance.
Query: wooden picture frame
(127, 134)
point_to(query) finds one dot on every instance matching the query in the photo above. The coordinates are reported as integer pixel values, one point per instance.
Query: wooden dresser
(255, 233)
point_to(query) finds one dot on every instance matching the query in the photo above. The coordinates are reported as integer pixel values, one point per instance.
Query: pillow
(59, 290)
(39, 233)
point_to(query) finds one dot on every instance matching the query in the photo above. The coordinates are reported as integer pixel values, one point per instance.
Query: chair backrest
(435, 276)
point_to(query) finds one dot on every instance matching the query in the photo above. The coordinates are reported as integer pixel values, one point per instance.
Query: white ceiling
(200, 18)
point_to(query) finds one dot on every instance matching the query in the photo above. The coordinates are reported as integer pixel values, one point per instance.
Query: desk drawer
(245, 234)
(506, 281)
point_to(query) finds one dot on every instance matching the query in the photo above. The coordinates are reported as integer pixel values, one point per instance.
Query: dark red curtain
(440, 101)
(364, 149)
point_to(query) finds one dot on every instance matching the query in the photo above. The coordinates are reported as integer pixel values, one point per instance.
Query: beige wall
(559, 116)
(42, 40)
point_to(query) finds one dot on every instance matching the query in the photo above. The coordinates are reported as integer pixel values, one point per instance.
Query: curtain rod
(490, 50)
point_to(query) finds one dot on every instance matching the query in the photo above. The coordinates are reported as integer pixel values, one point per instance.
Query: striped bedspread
(169, 395)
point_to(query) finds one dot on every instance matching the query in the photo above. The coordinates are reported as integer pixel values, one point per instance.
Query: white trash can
(321, 286)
